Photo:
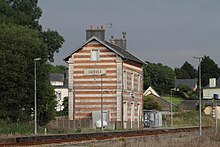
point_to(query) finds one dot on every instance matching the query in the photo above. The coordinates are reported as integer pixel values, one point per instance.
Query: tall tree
(18, 47)
(158, 76)
(209, 69)
(22, 40)
(187, 71)
(27, 13)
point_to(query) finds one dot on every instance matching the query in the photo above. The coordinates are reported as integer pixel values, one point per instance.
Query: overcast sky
(159, 31)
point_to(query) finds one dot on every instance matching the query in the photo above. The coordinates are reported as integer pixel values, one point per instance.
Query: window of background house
(95, 55)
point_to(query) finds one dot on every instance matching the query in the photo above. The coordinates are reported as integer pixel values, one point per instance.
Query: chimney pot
(91, 27)
(100, 33)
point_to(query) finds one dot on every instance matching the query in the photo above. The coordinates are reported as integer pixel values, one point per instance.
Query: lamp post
(200, 100)
(101, 103)
(215, 96)
(171, 109)
(35, 95)
(171, 106)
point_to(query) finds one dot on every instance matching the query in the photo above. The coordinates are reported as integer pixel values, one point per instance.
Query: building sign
(92, 72)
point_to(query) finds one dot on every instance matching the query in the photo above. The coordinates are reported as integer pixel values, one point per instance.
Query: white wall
(63, 93)
(208, 93)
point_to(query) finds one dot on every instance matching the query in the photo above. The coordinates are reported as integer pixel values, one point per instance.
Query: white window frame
(94, 55)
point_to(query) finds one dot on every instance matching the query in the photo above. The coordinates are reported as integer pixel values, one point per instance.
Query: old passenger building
(104, 75)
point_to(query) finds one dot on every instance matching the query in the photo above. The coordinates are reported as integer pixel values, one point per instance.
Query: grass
(175, 100)
(190, 118)
(180, 119)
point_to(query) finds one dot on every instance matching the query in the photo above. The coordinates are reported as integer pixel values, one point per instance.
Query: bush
(151, 103)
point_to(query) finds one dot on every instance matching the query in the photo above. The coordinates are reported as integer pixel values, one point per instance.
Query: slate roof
(59, 77)
(56, 77)
(189, 82)
(118, 50)
(217, 85)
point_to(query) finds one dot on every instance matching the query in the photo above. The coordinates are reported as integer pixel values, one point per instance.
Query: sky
(159, 31)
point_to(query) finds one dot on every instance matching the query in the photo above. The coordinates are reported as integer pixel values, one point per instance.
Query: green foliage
(18, 47)
(65, 109)
(187, 71)
(160, 77)
(25, 13)
(186, 92)
(57, 68)
(209, 69)
(175, 100)
(21, 41)
(53, 41)
(151, 103)
(15, 128)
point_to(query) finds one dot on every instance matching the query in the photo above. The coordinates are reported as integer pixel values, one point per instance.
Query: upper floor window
(95, 55)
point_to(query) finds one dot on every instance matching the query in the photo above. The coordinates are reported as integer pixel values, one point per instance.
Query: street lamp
(200, 101)
(101, 103)
(171, 106)
(35, 95)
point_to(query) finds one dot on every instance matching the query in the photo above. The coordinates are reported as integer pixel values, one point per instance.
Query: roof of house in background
(217, 85)
(56, 77)
(150, 91)
(189, 82)
(59, 77)
(118, 50)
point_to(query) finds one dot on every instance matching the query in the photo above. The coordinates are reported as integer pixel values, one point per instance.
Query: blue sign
(215, 96)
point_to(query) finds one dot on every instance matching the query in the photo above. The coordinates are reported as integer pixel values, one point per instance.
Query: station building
(105, 76)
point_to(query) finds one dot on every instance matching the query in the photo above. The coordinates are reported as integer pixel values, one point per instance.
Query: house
(59, 83)
(165, 105)
(212, 88)
(188, 82)
(105, 76)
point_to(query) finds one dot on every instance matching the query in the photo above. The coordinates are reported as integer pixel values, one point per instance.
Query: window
(95, 55)
(139, 82)
(125, 80)
(132, 81)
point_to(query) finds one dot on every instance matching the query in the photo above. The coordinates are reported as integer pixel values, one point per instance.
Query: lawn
(175, 100)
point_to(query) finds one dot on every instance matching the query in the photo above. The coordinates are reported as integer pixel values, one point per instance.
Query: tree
(18, 47)
(160, 77)
(27, 13)
(209, 69)
(57, 69)
(21, 12)
(22, 40)
(186, 71)
(151, 103)
(53, 41)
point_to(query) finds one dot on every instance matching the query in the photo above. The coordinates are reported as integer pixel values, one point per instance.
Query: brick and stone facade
(102, 70)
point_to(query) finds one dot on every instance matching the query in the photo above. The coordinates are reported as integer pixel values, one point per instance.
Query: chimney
(212, 82)
(99, 32)
(120, 42)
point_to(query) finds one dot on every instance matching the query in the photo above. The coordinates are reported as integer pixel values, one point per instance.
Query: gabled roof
(217, 85)
(116, 49)
(149, 91)
(189, 82)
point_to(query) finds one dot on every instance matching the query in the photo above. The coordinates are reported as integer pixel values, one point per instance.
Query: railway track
(65, 138)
